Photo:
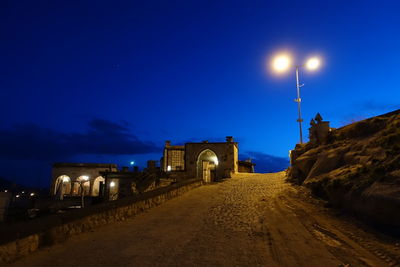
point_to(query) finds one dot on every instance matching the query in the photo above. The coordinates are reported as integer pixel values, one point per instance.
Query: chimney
(229, 139)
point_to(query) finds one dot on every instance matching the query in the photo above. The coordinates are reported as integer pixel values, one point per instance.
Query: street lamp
(282, 63)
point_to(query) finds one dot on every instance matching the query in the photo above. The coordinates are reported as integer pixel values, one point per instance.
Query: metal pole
(298, 100)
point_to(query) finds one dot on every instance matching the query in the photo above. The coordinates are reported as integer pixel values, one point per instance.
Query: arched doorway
(81, 182)
(62, 186)
(98, 186)
(207, 163)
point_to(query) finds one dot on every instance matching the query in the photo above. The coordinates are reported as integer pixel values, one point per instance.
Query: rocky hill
(356, 167)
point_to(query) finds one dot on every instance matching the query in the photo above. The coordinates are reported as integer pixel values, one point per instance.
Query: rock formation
(356, 167)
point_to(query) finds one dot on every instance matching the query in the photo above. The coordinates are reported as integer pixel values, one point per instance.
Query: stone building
(206, 160)
(246, 166)
(73, 179)
(319, 130)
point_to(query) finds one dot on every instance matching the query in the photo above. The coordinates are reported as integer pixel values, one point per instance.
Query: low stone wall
(22, 239)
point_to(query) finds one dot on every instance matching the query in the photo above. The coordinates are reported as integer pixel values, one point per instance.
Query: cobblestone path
(249, 220)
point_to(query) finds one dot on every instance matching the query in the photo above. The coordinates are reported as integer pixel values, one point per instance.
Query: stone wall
(22, 239)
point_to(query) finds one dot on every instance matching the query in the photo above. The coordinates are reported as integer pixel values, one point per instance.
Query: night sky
(110, 81)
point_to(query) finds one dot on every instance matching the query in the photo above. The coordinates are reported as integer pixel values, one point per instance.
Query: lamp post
(298, 100)
(283, 62)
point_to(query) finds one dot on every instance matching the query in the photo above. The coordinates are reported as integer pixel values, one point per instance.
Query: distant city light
(23, 192)
(112, 184)
(17, 196)
(132, 163)
(32, 194)
(169, 168)
(313, 63)
(281, 63)
(6, 190)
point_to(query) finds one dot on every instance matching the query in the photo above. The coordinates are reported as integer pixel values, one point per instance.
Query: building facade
(75, 179)
(206, 160)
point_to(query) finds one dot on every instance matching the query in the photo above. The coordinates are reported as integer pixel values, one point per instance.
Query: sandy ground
(249, 220)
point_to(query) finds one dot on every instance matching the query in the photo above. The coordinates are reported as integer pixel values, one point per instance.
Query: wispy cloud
(30, 141)
(375, 106)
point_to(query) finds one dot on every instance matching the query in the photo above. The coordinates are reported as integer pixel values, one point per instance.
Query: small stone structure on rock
(319, 130)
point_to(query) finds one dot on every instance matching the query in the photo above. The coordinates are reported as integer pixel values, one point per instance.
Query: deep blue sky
(110, 81)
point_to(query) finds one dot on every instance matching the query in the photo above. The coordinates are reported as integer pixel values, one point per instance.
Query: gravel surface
(249, 220)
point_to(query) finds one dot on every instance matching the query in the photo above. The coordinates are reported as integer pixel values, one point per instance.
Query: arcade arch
(97, 184)
(82, 182)
(62, 185)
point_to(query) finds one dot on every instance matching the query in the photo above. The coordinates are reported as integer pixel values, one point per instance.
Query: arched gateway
(207, 163)
(207, 160)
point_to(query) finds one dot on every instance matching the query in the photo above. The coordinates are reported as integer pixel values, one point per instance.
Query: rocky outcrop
(357, 168)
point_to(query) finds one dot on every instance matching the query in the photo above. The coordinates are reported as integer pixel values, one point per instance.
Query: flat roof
(92, 165)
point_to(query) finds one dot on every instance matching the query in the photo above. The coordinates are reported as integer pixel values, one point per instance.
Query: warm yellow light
(281, 63)
(112, 184)
(215, 159)
(85, 177)
(313, 63)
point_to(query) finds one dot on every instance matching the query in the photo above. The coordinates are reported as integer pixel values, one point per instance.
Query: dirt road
(249, 220)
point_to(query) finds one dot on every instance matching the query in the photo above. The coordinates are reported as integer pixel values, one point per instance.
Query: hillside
(357, 168)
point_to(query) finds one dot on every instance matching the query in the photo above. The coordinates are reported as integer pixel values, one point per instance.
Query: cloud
(366, 110)
(375, 106)
(30, 141)
(265, 162)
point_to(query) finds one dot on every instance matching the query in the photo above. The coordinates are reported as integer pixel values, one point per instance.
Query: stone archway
(98, 186)
(62, 186)
(207, 163)
(82, 182)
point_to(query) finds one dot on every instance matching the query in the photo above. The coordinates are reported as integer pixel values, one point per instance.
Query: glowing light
(112, 184)
(65, 179)
(132, 163)
(281, 63)
(85, 177)
(23, 192)
(32, 194)
(215, 159)
(6, 190)
(313, 63)
(169, 168)
(17, 196)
